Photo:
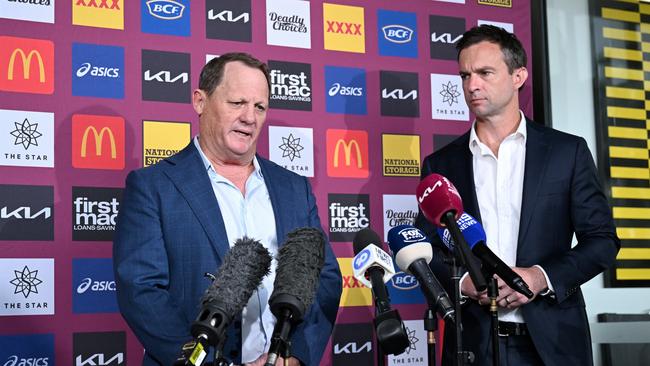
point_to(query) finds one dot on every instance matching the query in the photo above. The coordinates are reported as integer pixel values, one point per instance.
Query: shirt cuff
(549, 290)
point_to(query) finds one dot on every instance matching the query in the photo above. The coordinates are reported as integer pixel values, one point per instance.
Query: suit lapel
(537, 152)
(189, 175)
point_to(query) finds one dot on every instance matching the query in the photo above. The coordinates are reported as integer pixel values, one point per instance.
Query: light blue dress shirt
(250, 215)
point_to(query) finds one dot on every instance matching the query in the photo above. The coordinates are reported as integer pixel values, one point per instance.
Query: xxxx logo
(344, 28)
(103, 4)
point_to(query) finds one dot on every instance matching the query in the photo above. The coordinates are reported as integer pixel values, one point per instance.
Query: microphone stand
(431, 325)
(493, 293)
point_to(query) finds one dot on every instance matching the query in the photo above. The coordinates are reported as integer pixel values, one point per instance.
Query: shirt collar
(208, 165)
(474, 141)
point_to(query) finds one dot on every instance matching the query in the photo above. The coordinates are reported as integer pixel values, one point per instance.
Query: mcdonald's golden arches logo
(97, 142)
(26, 65)
(347, 153)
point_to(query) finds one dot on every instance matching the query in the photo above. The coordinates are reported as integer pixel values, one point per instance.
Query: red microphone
(436, 197)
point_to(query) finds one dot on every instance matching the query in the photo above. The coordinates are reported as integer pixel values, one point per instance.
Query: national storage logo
(161, 140)
(229, 19)
(94, 213)
(166, 76)
(26, 65)
(345, 90)
(96, 13)
(400, 155)
(348, 214)
(343, 28)
(97, 70)
(26, 138)
(500, 3)
(26, 212)
(397, 33)
(288, 23)
(26, 286)
(165, 17)
(97, 142)
(347, 153)
(27, 350)
(399, 94)
(354, 292)
(444, 32)
(93, 286)
(99, 349)
(32, 10)
(290, 85)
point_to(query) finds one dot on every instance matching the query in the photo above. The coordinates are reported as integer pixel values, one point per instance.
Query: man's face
(232, 117)
(490, 89)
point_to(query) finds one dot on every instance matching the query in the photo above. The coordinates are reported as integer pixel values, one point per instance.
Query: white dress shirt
(250, 215)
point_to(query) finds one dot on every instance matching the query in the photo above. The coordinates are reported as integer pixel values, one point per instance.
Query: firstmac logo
(26, 65)
(97, 142)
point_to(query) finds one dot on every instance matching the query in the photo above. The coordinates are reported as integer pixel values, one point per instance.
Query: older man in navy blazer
(532, 188)
(179, 218)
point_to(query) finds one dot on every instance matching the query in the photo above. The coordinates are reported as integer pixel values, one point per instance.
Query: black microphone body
(495, 265)
(433, 291)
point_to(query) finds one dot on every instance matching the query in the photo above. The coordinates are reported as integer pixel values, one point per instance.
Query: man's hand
(509, 298)
(291, 361)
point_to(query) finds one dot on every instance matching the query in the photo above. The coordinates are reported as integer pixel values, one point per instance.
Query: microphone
(475, 236)
(300, 261)
(241, 272)
(373, 267)
(413, 253)
(441, 204)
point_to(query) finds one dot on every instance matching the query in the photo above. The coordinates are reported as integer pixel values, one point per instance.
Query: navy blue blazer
(561, 196)
(170, 232)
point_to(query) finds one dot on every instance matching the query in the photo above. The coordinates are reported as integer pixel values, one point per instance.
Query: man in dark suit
(179, 218)
(532, 188)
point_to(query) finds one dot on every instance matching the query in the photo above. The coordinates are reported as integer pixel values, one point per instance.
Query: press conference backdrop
(91, 89)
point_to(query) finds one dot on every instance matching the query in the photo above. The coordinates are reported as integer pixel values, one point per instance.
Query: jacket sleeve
(311, 336)
(142, 274)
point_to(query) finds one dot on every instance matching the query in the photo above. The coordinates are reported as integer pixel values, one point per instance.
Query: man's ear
(519, 77)
(199, 100)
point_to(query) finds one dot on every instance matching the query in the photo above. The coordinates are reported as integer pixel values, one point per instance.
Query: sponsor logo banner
(26, 286)
(440, 141)
(229, 20)
(345, 90)
(26, 138)
(288, 23)
(97, 70)
(399, 94)
(166, 76)
(352, 344)
(453, 1)
(94, 213)
(501, 3)
(97, 142)
(416, 353)
(404, 289)
(401, 155)
(447, 99)
(99, 349)
(348, 214)
(343, 28)
(347, 153)
(93, 286)
(444, 32)
(399, 209)
(397, 33)
(354, 292)
(26, 65)
(27, 350)
(166, 17)
(290, 85)
(98, 13)
(507, 26)
(32, 10)
(292, 148)
(26, 212)
(161, 140)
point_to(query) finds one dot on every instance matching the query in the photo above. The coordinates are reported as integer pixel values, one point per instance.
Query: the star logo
(26, 281)
(26, 134)
(291, 147)
(412, 340)
(450, 93)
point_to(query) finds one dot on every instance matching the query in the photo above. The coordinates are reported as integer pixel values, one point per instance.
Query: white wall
(571, 73)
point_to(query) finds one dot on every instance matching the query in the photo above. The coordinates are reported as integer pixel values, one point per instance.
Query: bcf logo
(165, 9)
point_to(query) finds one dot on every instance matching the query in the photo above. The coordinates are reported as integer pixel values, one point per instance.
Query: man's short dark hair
(514, 54)
(212, 72)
